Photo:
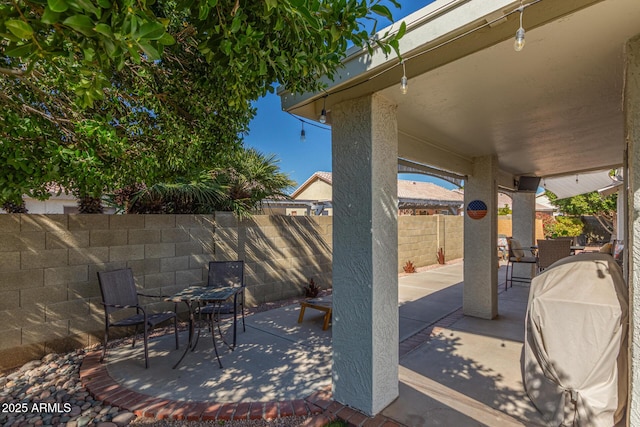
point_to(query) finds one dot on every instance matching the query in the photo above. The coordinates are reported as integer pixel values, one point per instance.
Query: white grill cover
(574, 362)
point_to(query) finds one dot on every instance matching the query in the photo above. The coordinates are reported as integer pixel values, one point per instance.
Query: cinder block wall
(454, 237)
(281, 253)
(420, 237)
(49, 294)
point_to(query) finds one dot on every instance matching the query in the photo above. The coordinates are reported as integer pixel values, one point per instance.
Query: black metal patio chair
(224, 274)
(119, 293)
(517, 255)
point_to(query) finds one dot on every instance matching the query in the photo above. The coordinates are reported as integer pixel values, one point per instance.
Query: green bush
(563, 226)
(506, 210)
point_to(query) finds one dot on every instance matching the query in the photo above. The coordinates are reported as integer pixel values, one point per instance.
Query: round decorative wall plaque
(477, 209)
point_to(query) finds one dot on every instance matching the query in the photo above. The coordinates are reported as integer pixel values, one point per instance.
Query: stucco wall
(317, 190)
(49, 294)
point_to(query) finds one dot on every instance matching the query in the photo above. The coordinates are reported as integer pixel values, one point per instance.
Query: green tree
(157, 121)
(254, 44)
(108, 94)
(603, 209)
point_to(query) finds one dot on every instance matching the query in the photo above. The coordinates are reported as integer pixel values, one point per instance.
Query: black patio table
(201, 296)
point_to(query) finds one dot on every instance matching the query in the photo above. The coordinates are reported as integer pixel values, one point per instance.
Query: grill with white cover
(574, 362)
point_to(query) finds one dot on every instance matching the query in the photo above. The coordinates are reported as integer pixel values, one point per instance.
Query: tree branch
(605, 226)
(12, 72)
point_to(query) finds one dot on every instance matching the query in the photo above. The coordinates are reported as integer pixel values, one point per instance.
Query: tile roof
(415, 190)
(542, 202)
(325, 176)
(426, 191)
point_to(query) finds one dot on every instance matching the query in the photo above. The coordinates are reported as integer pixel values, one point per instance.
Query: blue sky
(274, 131)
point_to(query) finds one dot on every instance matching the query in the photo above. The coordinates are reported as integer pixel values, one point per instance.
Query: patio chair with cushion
(518, 255)
(119, 294)
(224, 274)
(550, 251)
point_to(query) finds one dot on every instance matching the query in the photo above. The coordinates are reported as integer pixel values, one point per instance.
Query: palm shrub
(248, 178)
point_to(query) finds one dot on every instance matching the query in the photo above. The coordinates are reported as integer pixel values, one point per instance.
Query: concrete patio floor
(454, 370)
(467, 373)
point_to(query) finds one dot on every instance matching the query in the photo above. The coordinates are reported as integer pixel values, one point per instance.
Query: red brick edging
(319, 406)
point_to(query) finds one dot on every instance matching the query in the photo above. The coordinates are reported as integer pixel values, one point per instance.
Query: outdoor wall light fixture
(518, 44)
(323, 115)
(303, 134)
(404, 87)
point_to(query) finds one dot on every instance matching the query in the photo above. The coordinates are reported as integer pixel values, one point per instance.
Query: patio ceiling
(552, 109)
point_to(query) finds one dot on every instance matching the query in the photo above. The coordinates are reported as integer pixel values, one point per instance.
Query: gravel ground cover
(48, 392)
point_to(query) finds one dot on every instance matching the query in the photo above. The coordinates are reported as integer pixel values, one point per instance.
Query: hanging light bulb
(518, 44)
(323, 115)
(303, 134)
(404, 87)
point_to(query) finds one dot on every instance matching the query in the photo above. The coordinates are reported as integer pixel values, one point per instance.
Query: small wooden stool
(318, 305)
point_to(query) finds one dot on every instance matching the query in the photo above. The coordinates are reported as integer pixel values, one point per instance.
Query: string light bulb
(518, 44)
(303, 134)
(404, 87)
(323, 115)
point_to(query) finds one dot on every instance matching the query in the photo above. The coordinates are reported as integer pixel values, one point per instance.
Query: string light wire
(308, 122)
(431, 49)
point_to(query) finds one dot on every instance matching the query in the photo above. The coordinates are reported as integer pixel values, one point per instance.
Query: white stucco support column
(365, 253)
(480, 293)
(524, 229)
(632, 131)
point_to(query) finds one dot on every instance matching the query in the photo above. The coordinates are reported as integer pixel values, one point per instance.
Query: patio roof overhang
(554, 108)
(574, 184)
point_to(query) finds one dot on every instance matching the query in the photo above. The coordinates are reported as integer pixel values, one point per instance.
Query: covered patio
(566, 105)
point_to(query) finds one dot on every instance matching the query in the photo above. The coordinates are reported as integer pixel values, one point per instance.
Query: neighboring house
(316, 193)
(426, 198)
(287, 207)
(414, 198)
(543, 205)
(56, 204)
